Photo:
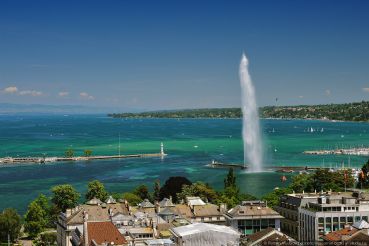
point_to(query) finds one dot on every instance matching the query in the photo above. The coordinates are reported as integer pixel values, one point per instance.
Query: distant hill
(358, 111)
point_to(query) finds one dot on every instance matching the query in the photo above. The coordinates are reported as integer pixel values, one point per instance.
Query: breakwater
(41, 160)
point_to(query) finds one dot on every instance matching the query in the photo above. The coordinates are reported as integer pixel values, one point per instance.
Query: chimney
(85, 230)
(68, 212)
(157, 207)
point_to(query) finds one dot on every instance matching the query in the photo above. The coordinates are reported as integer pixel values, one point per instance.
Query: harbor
(342, 151)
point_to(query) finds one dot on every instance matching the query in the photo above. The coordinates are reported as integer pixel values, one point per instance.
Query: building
(96, 234)
(160, 242)
(205, 234)
(288, 208)
(251, 217)
(97, 212)
(321, 213)
(269, 236)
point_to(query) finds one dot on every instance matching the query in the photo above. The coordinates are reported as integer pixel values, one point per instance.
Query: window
(321, 220)
(357, 218)
(343, 219)
(350, 219)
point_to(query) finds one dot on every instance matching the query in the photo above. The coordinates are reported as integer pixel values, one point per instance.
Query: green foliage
(142, 191)
(117, 196)
(321, 179)
(230, 180)
(34, 220)
(46, 239)
(69, 153)
(95, 189)
(272, 198)
(38, 216)
(204, 191)
(10, 222)
(156, 194)
(363, 177)
(64, 197)
(172, 186)
(358, 111)
(131, 198)
(87, 152)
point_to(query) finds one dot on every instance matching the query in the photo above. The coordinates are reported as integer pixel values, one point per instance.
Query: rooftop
(104, 233)
(202, 227)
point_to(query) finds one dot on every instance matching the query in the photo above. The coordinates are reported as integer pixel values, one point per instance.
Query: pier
(40, 160)
(281, 168)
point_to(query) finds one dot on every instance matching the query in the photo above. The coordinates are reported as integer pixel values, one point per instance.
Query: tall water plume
(252, 147)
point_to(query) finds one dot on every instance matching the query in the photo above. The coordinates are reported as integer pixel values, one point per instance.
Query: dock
(281, 168)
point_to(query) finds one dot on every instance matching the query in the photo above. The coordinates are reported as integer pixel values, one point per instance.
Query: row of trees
(69, 153)
(349, 112)
(321, 179)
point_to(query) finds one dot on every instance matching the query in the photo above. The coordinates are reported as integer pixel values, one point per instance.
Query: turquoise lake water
(189, 143)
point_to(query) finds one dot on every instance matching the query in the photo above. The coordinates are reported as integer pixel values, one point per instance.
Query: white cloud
(301, 96)
(10, 90)
(63, 93)
(366, 89)
(30, 93)
(328, 92)
(85, 95)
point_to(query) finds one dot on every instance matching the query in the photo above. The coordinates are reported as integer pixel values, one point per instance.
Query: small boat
(322, 130)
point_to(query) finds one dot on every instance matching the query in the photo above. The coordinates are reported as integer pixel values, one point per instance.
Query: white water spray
(252, 147)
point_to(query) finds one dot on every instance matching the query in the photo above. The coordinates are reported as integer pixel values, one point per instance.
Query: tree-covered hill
(358, 111)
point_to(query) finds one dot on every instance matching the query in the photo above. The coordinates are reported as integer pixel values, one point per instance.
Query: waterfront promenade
(349, 151)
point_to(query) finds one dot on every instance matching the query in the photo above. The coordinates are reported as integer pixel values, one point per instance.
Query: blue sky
(182, 54)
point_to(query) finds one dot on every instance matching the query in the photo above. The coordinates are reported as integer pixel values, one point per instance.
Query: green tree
(35, 219)
(156, 194)
(173, 186)
(204, 191)
(69, 153)
(46, 239)
(142, 191)
(272, 198)
(363, 177)
(64, 197)
(96, 189)
(131, 198)
(230, 179)
(87, 152)
(10, 223)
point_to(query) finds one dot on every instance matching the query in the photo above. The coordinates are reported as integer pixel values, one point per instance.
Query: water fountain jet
(253, 153)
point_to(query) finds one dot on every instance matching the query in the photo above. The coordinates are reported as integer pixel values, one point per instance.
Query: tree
(64, 197)
(46, 239)
(173, 186)
(156, 195)
(87, 152)
(10, 223)
(230, 179)
(363, 177)
(131, 198)
(35, 219)
(273, 197)
(69, 153)
(142, 191)
(204, 191)
(95, 189)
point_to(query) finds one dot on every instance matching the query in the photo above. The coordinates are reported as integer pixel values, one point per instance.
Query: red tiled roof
(104, 232)
(336, 236)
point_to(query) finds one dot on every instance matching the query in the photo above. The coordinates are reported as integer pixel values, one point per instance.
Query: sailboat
(322, 130)
(311, 129)
(273, 130)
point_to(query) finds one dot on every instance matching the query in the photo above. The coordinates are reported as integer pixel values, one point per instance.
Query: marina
(349, 151)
